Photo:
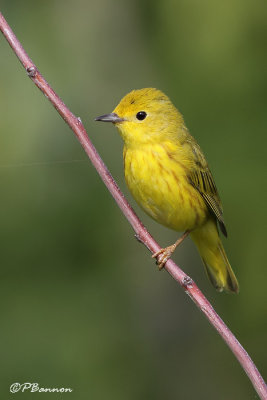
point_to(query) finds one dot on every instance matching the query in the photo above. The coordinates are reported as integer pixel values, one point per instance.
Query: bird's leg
(163, 255)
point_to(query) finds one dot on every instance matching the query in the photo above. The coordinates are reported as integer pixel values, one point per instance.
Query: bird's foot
(163, 255)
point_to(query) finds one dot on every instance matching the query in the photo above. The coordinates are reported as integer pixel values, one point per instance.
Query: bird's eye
(141, 115)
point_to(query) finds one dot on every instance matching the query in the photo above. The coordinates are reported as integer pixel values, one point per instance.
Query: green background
(82, 303)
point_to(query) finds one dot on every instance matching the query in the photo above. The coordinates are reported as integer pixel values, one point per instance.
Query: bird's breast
(160, 186)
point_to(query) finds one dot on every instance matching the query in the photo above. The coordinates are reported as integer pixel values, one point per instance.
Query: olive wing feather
(201, 178)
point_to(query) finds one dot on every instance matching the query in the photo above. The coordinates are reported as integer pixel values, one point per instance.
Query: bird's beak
(112, 117)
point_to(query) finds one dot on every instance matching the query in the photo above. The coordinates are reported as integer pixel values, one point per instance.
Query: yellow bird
(169, 178)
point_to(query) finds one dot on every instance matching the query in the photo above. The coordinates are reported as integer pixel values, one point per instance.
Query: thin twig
(141, 232)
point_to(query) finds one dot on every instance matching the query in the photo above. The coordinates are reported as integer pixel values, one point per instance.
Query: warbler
(169, 177)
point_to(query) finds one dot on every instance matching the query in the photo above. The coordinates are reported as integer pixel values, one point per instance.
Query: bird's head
(145, 116)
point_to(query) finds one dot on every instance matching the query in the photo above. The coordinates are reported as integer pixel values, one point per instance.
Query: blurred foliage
(83, 305)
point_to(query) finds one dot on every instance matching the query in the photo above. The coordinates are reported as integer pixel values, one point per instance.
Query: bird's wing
(201, 178)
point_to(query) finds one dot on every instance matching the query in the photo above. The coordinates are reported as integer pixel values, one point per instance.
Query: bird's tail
(213, 255)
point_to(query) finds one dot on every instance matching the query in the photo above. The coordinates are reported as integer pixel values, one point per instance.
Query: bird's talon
(162, 257)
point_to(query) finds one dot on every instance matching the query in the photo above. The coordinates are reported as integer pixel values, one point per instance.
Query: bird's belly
(164, 192)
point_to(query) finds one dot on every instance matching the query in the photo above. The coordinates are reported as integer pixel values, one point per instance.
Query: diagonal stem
(141, 232)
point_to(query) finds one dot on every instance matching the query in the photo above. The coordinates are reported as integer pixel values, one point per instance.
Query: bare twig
(141, 232)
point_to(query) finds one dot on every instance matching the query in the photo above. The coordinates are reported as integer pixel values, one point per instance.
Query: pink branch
(141, 232)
